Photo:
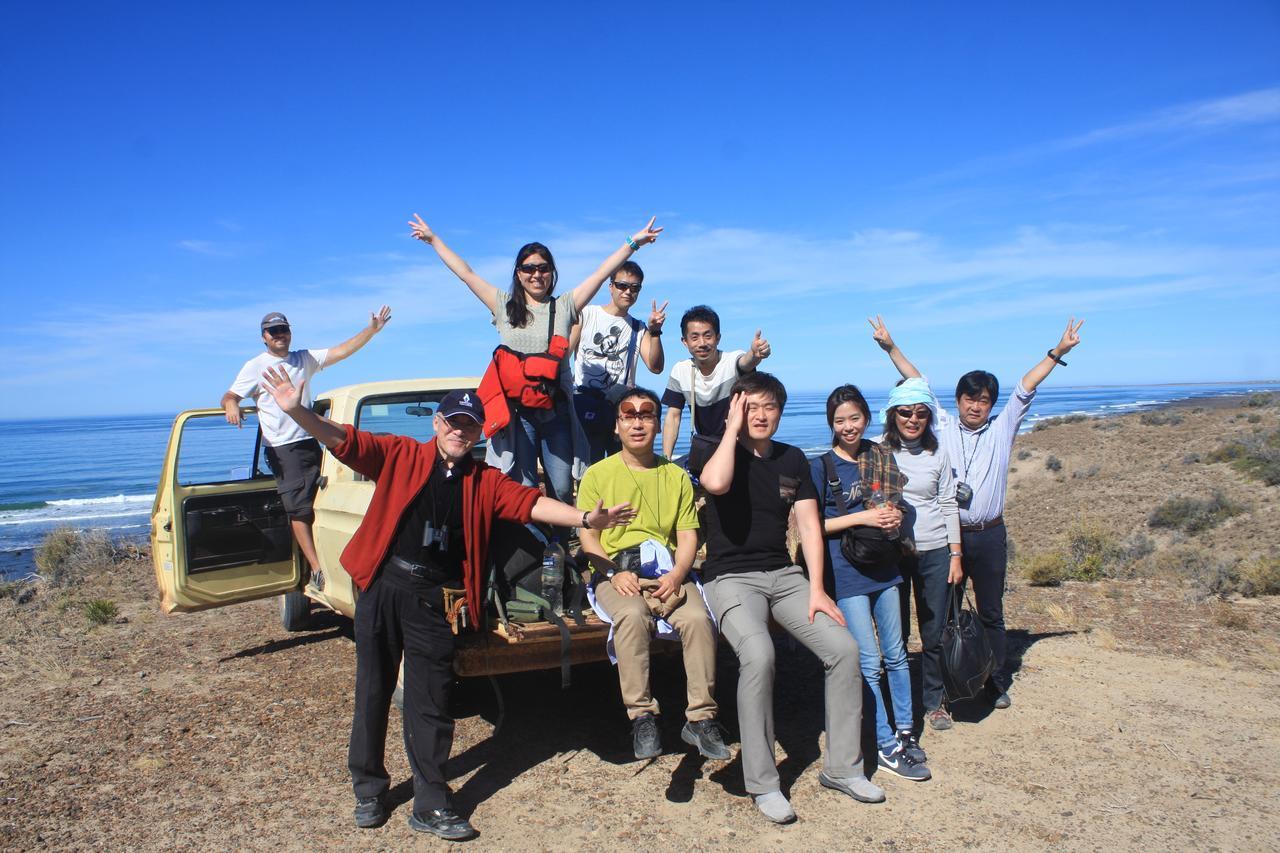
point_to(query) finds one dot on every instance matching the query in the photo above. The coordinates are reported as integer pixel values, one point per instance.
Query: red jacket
(400, 466)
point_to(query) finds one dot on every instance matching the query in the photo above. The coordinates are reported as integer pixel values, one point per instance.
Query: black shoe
(706, 736)
(443, 823)
(644, 736)
(371, 811)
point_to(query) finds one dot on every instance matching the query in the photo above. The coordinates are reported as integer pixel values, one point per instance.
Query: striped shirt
(980, 457)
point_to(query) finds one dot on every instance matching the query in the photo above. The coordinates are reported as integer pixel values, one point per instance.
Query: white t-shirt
(278, 429)
(712, 392)
(604, 345)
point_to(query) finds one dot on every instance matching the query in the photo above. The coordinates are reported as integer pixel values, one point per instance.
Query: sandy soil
(1140, 719)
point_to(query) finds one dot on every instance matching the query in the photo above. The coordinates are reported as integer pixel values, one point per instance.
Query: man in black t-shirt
(754, 483)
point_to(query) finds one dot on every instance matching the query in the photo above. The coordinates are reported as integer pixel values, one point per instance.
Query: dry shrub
(67, 555)
(1258, 401)
(1227, 616)
(1064, 419)
(1261, 576)
(1045, 569)
(1053, 463)
(1163, 418)
(1024, 454)
(1090, 552)
(1212, 574)
(1091, 471)
(1257, 456)
(1194, 515)
(1108, 424)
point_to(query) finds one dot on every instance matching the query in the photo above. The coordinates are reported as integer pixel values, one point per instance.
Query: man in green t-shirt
(662, 497)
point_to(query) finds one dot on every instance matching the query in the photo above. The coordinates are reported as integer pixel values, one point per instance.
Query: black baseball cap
(462, 403)
(275, 318)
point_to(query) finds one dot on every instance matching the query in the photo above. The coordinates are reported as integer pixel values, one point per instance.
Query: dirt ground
(1143, 717)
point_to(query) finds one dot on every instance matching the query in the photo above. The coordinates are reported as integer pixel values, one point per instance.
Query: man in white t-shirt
(607, 343)
(704, 381)
(293, 455)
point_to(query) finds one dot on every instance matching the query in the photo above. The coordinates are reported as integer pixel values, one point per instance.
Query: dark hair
(759, 382)
(840, 396)
(975, 382)
(893, 436)
(517, 312)
(628, 267)
(636, 391)
(699, 314)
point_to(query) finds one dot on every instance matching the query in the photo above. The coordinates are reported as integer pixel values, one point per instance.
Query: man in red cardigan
(427, 528)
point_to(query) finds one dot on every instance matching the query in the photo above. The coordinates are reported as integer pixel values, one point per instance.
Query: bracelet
(1055, 358)
(654, 334)
(635, 247)
(954, 554)
(585, 525)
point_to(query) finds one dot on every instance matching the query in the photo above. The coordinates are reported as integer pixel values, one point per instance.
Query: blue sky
(975, 173)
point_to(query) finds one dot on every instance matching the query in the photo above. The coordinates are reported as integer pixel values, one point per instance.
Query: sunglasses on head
(275, 331)
(645, 414)
(627, 286)
(530, 269)
(908, 414)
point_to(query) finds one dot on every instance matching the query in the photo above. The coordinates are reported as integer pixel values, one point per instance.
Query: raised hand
(619, 515)
(645, 235)
(1070, 337)
(657, 317)
(737, 415)
(421, 231)
(377, 321)
(281, 388)
(760, 349)
(881, 334)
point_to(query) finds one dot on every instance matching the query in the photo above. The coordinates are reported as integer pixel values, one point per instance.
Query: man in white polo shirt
(293, 455)
(979, 446)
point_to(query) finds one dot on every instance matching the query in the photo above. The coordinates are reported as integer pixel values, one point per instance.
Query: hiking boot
(999, 698)
(911, 747)
(371, 812)
(644, 736)
(895, 760)
(775, 806)
(443, 823)
(707, 737)
(939, 719)
(859, 787)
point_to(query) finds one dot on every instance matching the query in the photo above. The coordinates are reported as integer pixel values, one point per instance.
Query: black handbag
(867, 548)
(967, 659)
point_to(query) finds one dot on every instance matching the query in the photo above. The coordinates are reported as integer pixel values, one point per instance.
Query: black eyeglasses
(627, 286)
(276, 331)
(530, 269)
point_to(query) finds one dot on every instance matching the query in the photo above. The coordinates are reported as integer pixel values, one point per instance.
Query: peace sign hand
(647, 234)
(421, 231)
(1070, 337)
(657, 317)
(760, 348)
(881, 334)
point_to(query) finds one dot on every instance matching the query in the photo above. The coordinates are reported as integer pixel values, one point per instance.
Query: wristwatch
(585, 524)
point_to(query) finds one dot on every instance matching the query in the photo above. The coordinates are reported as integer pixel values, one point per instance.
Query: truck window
(402, 414)
(212, 451)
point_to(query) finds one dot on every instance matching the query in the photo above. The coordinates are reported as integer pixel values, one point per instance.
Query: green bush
(1045, 570)
(1064, 419)
(1258, 401)
(1256, 456)
(67, 555)
(1160, 418)
(1194, 515)
(1090, 552)
(100, 611)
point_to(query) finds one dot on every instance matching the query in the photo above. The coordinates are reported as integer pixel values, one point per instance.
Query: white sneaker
(775, 806)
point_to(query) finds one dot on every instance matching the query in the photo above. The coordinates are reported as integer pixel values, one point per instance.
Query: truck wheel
(295, 611)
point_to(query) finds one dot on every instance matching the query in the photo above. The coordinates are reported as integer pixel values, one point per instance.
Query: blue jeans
(867, 616)
(545, 432)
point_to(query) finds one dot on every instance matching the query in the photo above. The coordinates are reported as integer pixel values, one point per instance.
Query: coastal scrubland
(1143, 610)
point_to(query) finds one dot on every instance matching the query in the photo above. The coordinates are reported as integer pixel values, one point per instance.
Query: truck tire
(295, 611)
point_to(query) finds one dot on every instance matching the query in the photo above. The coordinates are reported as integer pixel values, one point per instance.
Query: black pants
(400, 614)
(925, 574)
(986, 558)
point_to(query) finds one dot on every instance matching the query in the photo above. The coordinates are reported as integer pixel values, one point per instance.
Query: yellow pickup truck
(219, 534)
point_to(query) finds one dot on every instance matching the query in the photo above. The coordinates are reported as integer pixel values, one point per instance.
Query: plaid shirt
(877, 465)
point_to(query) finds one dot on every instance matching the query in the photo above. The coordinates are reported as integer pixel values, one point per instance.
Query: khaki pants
(633, 629)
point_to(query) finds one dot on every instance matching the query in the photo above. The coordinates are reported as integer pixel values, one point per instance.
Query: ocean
(101, 473)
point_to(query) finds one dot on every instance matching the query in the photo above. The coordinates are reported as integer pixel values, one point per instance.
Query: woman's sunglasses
(530, 269)
(908, 414)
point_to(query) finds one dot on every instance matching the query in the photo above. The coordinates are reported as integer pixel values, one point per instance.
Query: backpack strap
(551, 322)
(833, 481)
(564, 645)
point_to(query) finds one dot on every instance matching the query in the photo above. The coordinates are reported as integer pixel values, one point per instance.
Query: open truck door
(219, 533)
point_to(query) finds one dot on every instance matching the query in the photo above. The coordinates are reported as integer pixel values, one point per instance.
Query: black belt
(974, 528)
(431, 574)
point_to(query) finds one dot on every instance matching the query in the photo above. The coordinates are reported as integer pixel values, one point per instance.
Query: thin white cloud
(1260, 106)
(210, 248)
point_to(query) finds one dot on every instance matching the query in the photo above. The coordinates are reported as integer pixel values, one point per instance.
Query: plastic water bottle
(553, 576)
(877, 499)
